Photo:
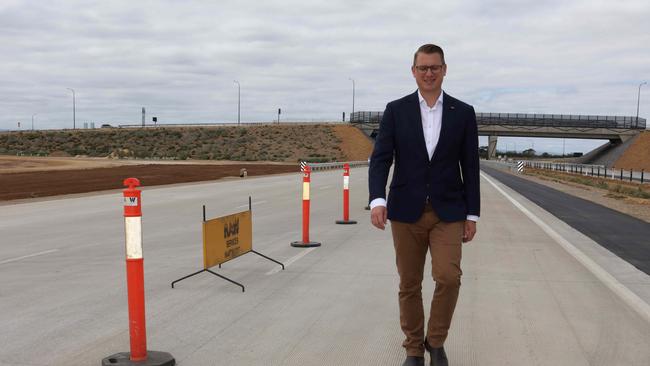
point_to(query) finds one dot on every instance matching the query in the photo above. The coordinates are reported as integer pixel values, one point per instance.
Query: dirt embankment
(637, 156)
(355, 145)
(56, 182)
(21, 164)
(30, 177)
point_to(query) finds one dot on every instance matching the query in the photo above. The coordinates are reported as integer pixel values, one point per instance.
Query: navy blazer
(450, 179)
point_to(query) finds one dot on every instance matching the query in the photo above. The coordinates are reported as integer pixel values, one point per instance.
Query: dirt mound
(637, 156)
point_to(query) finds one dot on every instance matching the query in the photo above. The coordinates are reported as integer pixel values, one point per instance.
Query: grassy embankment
(616, 188)
(315, 143)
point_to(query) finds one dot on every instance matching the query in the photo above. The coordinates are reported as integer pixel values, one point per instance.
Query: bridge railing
(536, 120)
(366, 117)
(560, 120)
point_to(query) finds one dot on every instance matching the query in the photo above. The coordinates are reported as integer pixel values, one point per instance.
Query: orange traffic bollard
(306, 181)
(135, 287)
(346, 197)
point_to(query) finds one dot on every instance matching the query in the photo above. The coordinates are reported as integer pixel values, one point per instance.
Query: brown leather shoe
(413, 361)
(438, 355)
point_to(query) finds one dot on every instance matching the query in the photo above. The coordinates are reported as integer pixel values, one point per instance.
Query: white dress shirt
(431, 125)
(431, 122)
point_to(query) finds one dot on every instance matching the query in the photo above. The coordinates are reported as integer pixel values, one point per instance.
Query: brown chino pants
(412, 240)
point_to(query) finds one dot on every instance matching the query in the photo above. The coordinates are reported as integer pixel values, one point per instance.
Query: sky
(179, 59)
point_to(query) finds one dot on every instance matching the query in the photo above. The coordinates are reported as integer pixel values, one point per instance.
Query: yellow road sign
(227, 237)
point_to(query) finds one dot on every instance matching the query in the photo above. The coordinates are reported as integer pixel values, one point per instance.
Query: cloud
(179, 59)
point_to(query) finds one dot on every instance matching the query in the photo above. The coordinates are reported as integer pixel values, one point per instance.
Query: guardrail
(336, 165)
(598, 171)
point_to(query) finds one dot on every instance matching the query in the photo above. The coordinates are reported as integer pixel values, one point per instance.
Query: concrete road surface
(624, 235)
(527, 298)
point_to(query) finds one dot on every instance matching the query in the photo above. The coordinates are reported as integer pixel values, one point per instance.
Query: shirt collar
(439, 101)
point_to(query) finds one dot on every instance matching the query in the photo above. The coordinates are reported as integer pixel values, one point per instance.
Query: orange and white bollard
(346, 197)
(135, 287)
(306, 181)
(135, 269)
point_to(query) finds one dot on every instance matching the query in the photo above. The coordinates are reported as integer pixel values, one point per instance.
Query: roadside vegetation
(616, 188)
(281, 143)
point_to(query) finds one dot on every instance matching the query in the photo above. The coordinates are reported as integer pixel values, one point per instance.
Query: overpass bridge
(616, 129)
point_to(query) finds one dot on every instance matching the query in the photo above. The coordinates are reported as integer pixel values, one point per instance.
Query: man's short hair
(429, 49)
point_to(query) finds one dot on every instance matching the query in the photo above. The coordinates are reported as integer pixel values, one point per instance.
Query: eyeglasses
(422, 69)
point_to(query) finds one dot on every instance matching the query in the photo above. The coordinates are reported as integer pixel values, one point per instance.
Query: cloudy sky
(179, 59)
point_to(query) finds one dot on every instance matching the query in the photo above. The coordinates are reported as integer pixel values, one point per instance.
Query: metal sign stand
(250, 208)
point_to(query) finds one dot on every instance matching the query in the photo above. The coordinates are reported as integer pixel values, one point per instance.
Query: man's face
(429, 80)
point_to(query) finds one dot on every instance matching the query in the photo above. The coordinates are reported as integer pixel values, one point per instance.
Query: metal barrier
(335, 165)
(598, 171)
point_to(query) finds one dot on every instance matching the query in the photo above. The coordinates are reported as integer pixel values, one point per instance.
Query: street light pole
(238, 102)
(33, 120)
(638, 99)
(74, 109)
(353, 90)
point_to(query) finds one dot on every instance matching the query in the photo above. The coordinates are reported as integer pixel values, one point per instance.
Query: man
(434, 200)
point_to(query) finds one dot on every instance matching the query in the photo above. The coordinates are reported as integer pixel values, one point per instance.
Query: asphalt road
(624, 235)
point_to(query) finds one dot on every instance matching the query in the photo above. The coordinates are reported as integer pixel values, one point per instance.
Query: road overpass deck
(533, 120)
(614, 128)
(524, 299)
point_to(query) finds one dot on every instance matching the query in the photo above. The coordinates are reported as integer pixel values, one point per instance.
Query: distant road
(623, 235)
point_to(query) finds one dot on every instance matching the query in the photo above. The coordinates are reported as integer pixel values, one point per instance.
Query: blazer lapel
(416, 117)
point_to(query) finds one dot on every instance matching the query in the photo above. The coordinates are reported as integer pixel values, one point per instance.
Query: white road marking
(253, 204)
(291, 260)
(28, 256)
(628, 297)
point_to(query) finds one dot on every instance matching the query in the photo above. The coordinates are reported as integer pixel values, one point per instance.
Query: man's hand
(379, 216)
(469, 231)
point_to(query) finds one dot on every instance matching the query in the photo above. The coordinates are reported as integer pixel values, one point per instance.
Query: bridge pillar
(492, 147)
(625, 137)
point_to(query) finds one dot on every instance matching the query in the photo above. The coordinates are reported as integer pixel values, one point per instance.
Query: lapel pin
(452, 107)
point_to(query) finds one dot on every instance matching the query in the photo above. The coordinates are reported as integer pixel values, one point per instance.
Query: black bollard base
(346, 222)
(154, 358)
(301, 244)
